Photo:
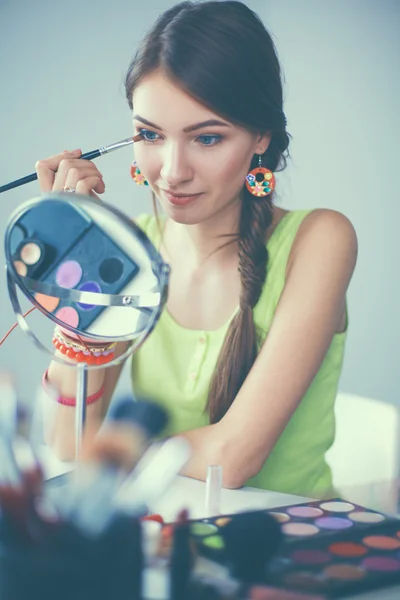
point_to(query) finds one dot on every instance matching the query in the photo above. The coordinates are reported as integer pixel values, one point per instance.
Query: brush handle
(18, 182)
(88, 156)
(33, 176)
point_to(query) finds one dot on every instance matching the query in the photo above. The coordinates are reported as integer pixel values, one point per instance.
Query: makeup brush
(147, 415)
(251, 540)
(129, 427)
(87, 155)
(90, 503)
(153, 475)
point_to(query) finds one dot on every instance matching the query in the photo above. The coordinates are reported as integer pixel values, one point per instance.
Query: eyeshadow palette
(76, 255)
(332, 548)
(324, 518)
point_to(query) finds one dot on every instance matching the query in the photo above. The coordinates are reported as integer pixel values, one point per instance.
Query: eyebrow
(209, 123)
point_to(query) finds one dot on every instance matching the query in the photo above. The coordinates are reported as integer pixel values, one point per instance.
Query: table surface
(190, 493)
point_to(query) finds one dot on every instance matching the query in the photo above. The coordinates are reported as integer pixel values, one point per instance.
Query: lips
(180, 199)
(177, 195)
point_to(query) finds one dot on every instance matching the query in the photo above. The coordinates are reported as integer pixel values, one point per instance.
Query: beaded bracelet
(92, 355)
(71, 401)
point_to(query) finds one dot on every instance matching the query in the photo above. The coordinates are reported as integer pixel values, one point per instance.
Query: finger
(47, 168)
(71, 172)
(89, 184)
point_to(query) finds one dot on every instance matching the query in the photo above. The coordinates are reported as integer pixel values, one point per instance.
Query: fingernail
(77, 151)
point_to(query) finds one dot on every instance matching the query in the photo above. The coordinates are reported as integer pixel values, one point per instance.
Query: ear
(263, 141)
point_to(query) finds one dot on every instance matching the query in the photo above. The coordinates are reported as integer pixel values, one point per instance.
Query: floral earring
(136, 174)
(260, 181)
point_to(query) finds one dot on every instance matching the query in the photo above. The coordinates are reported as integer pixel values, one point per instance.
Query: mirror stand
(80, 408)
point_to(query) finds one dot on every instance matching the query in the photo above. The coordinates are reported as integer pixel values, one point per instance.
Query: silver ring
(68, 189)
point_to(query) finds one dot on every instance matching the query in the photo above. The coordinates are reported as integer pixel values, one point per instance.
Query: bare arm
(60, 432)
(309, 313)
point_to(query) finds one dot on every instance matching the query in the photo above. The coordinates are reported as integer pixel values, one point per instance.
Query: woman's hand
(67, 170)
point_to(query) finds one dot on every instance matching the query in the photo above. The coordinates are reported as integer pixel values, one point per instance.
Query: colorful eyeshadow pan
(299, 529)
(20, 267)
(301, 580)
(344, 571)
(214, 541)
(111, 270)
(333, 523)
(222, 521)
(270, 593)
(49, 303)
(366, 517)
(304, 511)
(381, 563)
(347, 549)
(89, 286)
(69, 274)
(280, 517)
(337, 506)
(381, 542)
(202, 529)
(30, 253)
(68, 315)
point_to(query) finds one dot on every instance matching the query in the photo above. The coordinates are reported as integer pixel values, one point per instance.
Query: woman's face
(194, 161)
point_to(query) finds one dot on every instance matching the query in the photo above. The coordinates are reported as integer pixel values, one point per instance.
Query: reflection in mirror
(86, 266)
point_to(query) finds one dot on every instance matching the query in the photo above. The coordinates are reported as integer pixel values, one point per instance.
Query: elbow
(236, 469)
(233, 480)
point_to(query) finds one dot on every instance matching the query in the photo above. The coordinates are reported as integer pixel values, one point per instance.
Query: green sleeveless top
(174, 367)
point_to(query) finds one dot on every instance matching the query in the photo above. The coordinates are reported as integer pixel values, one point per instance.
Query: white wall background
(62, 65)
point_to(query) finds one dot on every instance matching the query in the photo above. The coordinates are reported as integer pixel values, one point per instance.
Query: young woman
(248, 352)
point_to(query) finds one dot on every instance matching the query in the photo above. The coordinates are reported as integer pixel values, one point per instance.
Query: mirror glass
(86, 266)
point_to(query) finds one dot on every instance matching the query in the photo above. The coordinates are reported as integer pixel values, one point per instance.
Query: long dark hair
(221, 54)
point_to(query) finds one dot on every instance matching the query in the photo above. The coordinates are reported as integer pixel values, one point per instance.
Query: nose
(175, 166)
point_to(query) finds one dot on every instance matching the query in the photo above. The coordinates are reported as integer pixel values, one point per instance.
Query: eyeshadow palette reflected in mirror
(82, 258)
(65, 245)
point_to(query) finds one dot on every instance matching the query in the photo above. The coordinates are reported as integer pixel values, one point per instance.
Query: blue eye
(210, 140)
(148, 135)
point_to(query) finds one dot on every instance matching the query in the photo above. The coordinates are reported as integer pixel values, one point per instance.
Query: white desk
(189, 493)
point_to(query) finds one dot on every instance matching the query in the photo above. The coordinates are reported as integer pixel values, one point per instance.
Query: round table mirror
(88, 268)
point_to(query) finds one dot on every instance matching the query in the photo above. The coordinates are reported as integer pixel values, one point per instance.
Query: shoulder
(325, 235)
(328, 226)
(326, 219)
